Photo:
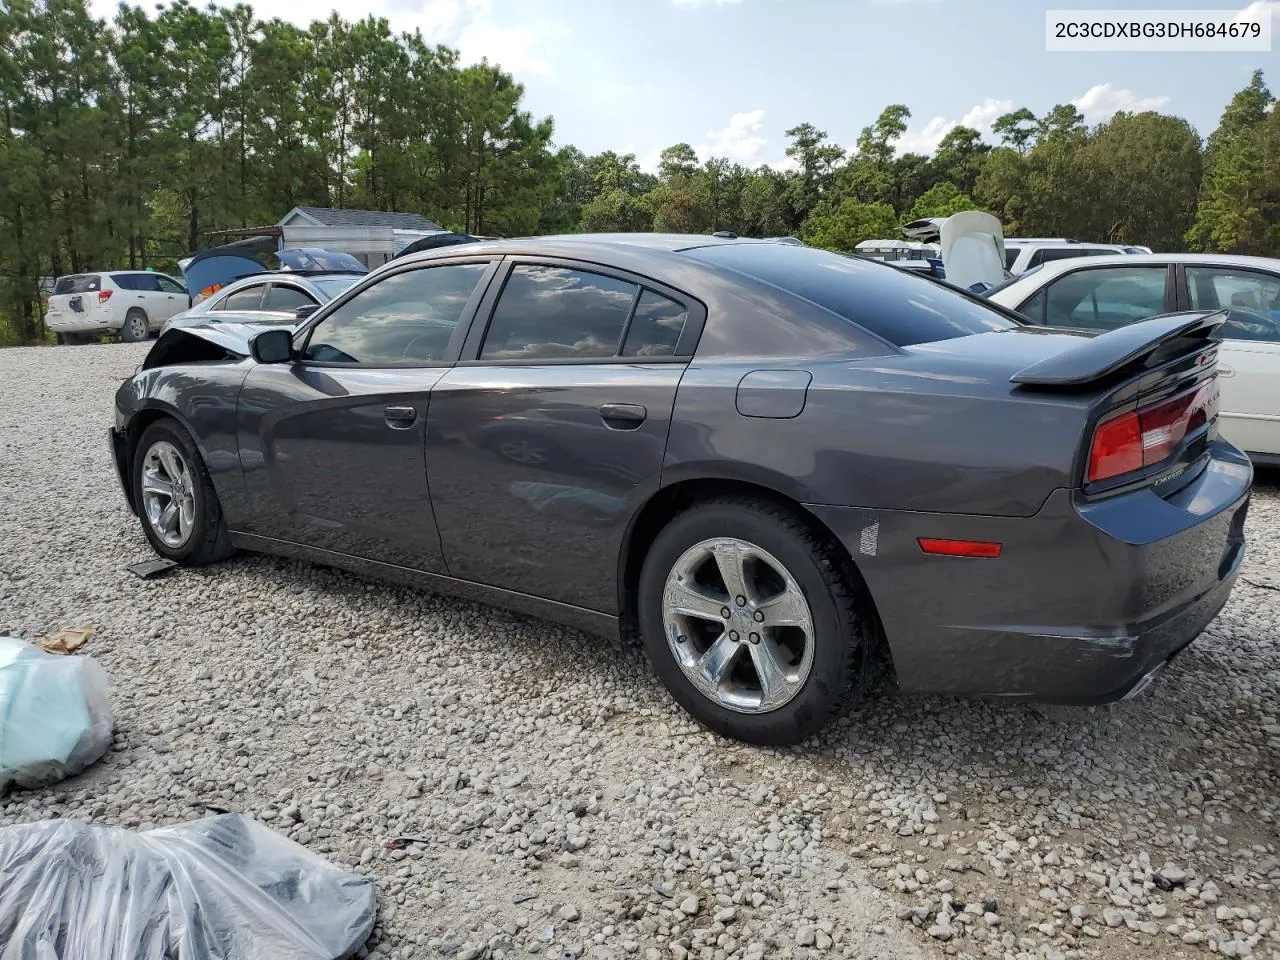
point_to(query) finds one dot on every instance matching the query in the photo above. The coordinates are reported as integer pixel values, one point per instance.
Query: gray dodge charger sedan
(767, 461)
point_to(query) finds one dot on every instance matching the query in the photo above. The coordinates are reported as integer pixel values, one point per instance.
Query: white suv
(1021, 255)
(132, 303)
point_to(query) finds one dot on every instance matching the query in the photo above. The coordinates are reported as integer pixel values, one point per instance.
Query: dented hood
(231, 335)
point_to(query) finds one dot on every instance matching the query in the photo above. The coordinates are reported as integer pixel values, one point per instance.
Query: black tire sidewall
(835, 631)
(125, 332)
(169, 430)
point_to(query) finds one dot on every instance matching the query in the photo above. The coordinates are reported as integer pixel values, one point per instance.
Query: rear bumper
(1085, 601)
(88, 322)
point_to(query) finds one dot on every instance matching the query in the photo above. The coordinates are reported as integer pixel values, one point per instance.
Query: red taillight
(104, 295)
(959, 548)
(1117, 447)
(1143, 437)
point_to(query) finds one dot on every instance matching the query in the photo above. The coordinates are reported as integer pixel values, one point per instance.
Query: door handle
(623, 416)
(400, 418)
(1225, 371)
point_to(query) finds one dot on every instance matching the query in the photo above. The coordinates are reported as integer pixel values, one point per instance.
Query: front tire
(136, 327)
(750, 619)
(179, 509)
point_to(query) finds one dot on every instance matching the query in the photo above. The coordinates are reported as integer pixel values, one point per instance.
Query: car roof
(583, 245)
(1055, 267)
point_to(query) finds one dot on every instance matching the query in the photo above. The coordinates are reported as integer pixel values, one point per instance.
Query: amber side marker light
(959, 548)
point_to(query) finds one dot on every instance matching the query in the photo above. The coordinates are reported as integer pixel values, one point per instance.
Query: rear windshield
(80, 283)
(892, 303)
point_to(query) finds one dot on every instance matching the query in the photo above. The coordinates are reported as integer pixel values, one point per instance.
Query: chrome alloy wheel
(168, 496)
(738, 625)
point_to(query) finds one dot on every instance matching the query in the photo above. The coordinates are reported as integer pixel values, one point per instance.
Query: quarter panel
(876, 434)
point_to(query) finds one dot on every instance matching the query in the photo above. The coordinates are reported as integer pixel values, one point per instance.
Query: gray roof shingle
(333, 217)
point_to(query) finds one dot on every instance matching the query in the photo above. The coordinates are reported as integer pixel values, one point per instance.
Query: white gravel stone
(541, 771)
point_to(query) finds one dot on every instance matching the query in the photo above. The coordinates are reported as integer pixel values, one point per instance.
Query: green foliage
(131, 143)
(851, 223)
(941, 200)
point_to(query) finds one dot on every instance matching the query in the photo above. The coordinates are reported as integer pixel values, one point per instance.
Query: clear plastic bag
(222, 888)
(55, 717)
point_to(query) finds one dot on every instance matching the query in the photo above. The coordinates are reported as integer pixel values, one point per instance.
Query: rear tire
(185, 523)
(792, 617)
(136, 326)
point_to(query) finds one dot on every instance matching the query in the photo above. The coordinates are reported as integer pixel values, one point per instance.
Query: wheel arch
(672, 499)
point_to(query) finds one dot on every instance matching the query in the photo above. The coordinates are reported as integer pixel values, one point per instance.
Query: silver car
(270, 296)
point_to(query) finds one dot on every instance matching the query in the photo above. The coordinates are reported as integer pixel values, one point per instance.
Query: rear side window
(1103, 298)
(285, 299)
(655, 327)
(79, 283)
(136, 281)
(554, 313)
(894, 304)
(250, 298)
(1010, 257)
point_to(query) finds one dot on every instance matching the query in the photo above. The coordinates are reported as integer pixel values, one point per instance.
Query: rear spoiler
(1143, 344)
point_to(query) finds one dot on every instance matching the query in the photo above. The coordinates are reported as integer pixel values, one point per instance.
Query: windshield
(901, 306)
(332, 286)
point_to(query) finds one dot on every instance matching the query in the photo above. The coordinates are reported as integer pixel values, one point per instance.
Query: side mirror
(272, 346)
(306, 310)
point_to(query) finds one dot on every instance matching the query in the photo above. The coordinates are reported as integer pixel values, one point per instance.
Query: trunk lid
(1157, 377)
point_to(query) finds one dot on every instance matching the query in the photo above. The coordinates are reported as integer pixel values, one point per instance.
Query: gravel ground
(561, 806)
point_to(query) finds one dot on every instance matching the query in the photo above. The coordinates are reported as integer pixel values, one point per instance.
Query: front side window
(283, 298)
(407, 317)
(1252, 300)
(555, 313)
(1105, 298)
(250, 298)
(170, 286)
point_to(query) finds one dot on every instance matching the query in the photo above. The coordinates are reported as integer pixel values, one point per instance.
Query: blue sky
(730, 76)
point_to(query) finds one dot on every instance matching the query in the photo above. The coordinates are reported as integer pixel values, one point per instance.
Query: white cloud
(982, 116)
(704, 3)
(1102, 101)
(925, 140)
(467, 25)
(1258, 10)
(740, 140)
(515, 49)
(649, 162)
(979, 117)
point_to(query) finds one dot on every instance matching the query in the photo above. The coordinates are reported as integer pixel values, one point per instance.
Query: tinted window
(285, 299)
(1106, 297)
(1252, 300)
(1034, 308)
(1010, 257)
(170, 286)
(1048, 254)
(655, 327)
(405, 318)
(84, 283)
(548, 313)
(140, 281)
(249, 298)
(898, 306)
